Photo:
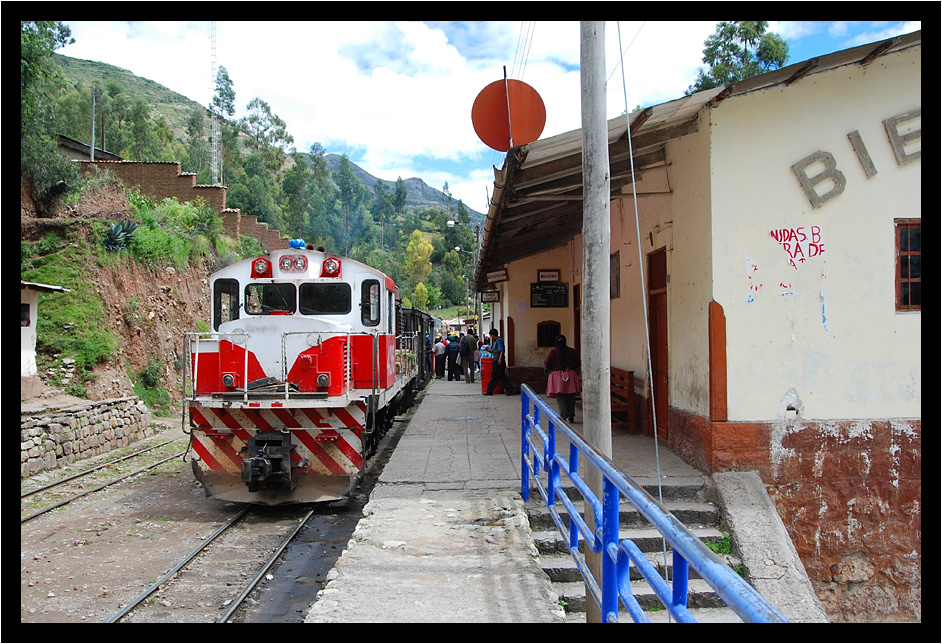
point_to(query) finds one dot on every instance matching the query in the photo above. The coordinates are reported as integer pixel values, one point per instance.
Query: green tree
(418, 253)
(382, 208)
(41, 165)
(739, 50)
(421, 296)
(223, 101)
(197, 149)
(351, 195)
(267, 132)
(297, 189)
(399, 198)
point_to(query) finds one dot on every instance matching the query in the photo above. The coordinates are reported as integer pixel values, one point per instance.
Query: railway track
(212, 581)
(38, 501)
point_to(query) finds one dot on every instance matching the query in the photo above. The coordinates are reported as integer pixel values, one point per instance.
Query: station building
(766, 245)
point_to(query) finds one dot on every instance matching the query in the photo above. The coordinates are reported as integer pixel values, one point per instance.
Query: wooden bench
(623, 398)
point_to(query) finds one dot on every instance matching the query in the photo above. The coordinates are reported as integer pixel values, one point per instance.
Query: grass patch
(147, 387)
(70, 325)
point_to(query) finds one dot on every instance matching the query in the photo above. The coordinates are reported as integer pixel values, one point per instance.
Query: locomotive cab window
(324, 299)
(266, 299)
(225, 301)
(369, 303)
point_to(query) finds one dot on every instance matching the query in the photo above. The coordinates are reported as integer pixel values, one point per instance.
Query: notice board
(544, 295)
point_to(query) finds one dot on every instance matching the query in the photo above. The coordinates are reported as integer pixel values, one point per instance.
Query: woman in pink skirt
(562, 382)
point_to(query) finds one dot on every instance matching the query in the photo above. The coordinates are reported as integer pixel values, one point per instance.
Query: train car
(309, 359)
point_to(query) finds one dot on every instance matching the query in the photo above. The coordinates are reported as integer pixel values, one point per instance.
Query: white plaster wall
(828, 330)
(28, 336)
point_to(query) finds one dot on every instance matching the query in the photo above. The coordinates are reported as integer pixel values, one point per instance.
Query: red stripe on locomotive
(319, 453)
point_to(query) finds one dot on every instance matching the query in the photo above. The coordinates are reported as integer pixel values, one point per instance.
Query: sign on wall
(549, 295)
(905, 137)
(500, 275)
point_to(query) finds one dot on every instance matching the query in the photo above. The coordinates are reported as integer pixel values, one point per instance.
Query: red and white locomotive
(309, 359)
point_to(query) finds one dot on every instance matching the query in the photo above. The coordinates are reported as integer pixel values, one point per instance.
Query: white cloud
(882, 31)
(399, 94)
(795, 30)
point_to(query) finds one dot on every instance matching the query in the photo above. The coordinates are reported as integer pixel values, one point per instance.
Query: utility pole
(214, 128)
(93, 124)
(596, 245)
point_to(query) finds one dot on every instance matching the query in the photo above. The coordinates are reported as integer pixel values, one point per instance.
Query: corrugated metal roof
(45, 288)
(537, 199)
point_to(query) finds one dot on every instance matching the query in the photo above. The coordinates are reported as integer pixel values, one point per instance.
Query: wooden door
(577, 318)
(657, 324)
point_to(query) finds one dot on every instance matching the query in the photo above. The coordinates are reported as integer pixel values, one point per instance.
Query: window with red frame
(908, 264)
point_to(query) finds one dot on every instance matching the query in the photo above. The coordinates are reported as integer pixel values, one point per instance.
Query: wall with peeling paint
(809, 292)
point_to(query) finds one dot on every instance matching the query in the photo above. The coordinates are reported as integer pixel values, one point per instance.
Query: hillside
(418, 193)
(176, 108)
(140, 312)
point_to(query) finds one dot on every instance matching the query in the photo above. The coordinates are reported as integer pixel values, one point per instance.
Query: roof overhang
(44, 288)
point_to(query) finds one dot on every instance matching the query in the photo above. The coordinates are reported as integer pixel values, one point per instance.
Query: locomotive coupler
(267, 464)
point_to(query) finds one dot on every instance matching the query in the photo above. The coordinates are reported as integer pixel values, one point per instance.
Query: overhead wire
(621, 59)
(644, 299)
(518, 69)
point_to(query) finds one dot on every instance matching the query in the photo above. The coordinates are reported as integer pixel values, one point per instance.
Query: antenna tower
(212, 110)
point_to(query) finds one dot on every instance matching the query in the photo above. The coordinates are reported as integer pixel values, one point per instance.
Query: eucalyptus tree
(738, 50)
(267, 132)
(40, 81)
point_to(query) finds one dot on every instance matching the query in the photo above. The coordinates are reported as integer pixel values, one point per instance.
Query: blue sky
(396, 96)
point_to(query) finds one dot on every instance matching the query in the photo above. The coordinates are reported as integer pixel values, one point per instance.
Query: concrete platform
(445, 537)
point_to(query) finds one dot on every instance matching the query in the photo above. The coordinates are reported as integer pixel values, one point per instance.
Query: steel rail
(252, 584)
(134, 602)
(94, 469)
(100, 487)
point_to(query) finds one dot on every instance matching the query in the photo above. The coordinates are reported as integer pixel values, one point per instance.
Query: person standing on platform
(562, 382)
(467, 346)
(454, 370)
(499, 373)
(439, 351)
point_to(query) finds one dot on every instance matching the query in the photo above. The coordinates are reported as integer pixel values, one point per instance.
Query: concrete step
(690, 513)
(673, 488)
(702, 615)
(647, 539)
(699, 595)
(562, 568)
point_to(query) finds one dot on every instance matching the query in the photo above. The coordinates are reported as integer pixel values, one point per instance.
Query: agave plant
(119, 236)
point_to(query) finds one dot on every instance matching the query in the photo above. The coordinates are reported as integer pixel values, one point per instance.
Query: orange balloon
(489, 114)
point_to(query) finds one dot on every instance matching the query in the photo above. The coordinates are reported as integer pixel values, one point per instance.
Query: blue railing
(619, 555)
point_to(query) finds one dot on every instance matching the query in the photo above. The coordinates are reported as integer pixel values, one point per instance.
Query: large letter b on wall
(830, 173)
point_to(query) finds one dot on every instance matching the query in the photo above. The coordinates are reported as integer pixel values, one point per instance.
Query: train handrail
(209, 336)
(614, 587)
(193, 338)
(348, 349)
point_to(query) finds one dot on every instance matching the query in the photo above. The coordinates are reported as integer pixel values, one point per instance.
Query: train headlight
(228, 380)
(331, 267)
(261, 267)
(285, 263)
(323, 380)
(300, 263)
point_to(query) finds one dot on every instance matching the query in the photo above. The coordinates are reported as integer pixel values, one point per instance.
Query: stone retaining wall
(80, 431)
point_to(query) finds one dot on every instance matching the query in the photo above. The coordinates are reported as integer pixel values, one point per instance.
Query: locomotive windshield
(263, 299)
(324, 299)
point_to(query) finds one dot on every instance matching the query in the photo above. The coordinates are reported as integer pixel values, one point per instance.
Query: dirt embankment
(149, 308)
